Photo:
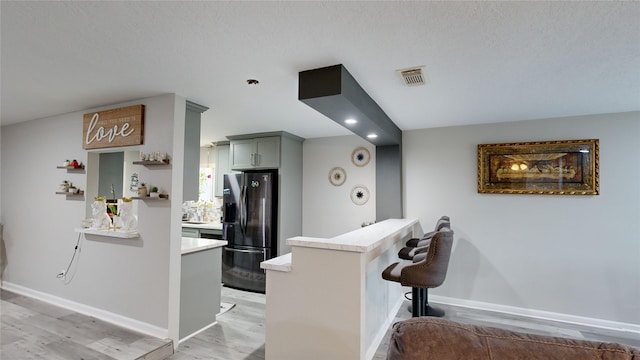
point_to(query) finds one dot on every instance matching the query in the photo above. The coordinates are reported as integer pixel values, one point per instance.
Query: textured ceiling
(487, 61)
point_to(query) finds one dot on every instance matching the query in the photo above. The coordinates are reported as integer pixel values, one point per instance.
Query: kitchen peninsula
(200, 284)
(327, 299)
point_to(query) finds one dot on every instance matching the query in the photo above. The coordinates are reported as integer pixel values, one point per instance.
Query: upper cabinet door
(242, 153)
(268, 153)
(256, 153)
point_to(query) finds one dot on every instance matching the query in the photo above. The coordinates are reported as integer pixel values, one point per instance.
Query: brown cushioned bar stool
(421, 245)
(428, 271)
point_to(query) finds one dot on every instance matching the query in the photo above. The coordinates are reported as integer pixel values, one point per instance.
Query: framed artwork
(113, 128)
(567, 167)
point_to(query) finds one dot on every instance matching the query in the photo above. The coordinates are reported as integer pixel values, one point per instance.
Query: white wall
(576, 255)
(125, 278)
(327, 209)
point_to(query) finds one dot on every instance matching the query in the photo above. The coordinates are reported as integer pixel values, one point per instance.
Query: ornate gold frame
(567, 167)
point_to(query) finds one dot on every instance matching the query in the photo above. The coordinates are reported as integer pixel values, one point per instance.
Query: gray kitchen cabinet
(191, 169)
(190, 232)
(256, 153)
(222, 165)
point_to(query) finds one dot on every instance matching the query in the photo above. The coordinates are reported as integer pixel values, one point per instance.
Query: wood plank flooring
(32, 329)
(239, 333)
(36, 330)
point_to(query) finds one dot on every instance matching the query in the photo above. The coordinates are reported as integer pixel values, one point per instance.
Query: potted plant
(154, 191)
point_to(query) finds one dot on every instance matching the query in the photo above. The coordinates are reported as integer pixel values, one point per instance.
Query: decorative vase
(142, 191)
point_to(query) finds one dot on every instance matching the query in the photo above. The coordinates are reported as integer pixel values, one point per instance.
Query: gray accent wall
(388, 182)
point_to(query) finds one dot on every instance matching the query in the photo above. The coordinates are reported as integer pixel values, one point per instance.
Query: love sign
(113, 128)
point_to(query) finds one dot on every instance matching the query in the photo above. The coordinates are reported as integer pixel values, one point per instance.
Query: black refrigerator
(250, 218)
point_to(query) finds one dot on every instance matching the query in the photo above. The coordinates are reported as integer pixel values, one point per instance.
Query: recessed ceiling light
(351, 121)
(372, 136)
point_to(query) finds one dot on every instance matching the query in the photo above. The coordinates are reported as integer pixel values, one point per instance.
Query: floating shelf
(80, 193)
(161, 197)
(152, 163)
(71, 168)
(110, 233)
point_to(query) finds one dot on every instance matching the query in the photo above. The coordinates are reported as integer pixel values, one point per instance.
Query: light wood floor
(239, 333)
(35, 330)
(32, 329)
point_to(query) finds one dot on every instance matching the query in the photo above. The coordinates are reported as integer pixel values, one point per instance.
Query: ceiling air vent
(414, 76)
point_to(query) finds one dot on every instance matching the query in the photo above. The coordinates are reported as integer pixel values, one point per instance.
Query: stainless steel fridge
(250, 214)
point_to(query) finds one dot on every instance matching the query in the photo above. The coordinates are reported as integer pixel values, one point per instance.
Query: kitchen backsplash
(202, 211)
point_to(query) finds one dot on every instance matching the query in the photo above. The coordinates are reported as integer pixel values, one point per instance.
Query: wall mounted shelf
(71, 168)
(152, 162)
(80, 193)
(160, 197)
(110, 233)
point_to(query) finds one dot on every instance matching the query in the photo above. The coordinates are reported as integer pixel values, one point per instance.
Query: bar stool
(444, 221)
(428, 271)
(416, 246)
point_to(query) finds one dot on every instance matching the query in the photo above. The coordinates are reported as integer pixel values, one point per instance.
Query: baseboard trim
(196, 332)
(103, 315)
(537, 314)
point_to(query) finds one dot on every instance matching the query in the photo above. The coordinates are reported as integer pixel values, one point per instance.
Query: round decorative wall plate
(337, 176)
(359, 194)
(360, 156)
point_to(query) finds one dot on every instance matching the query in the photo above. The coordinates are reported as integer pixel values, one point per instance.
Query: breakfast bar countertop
(190, 245)
(360, 240)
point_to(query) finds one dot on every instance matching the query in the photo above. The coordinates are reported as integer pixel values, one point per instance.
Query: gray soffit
(333, 92)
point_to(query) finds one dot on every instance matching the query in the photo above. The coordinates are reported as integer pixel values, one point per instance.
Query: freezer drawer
(241, 268)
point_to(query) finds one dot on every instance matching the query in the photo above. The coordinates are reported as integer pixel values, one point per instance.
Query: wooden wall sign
(113, 128)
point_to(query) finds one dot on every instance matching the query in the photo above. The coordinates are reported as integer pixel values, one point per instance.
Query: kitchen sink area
(201, 219)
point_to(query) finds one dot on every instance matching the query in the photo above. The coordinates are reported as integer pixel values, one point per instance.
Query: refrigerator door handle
(244, 251)
(243, 209)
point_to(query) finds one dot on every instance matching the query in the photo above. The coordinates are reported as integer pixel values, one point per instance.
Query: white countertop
(280, 263)
(199, 225)
(190, 245)
(361, 240)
